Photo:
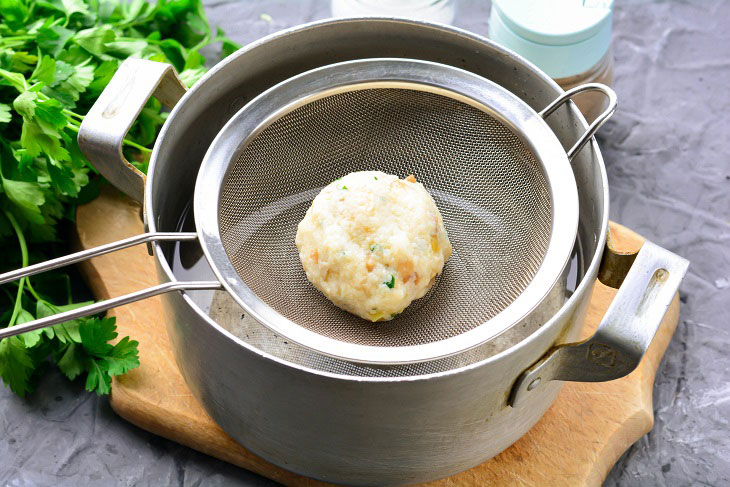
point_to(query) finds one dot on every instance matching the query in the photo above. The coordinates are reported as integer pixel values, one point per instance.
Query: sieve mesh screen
(489, 187)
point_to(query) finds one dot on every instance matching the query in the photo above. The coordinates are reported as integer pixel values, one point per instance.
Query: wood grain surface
(576, 443)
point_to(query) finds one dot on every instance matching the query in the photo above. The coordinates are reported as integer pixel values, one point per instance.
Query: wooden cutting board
(575, 443)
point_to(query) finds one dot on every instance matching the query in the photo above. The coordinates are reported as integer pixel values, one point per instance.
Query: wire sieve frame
(427, 76)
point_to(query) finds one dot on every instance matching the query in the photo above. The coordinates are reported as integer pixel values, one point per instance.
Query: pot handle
(112, 115)
(600, 120)
(109, 303)
(648, 281)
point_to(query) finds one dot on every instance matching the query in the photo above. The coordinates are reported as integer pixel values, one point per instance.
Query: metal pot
(377, 430)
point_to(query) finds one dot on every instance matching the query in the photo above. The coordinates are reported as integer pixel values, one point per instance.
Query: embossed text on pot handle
(626, 330)
(112, 115)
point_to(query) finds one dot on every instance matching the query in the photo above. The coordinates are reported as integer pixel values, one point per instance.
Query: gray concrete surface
(668, 157)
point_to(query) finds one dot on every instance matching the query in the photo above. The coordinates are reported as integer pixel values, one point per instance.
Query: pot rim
(162, 260)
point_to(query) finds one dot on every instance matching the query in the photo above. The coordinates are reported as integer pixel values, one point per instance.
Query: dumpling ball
(373, 243)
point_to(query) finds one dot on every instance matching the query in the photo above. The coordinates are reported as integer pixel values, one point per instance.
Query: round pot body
(346, 429)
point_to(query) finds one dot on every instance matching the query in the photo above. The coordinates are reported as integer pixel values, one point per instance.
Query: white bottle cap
(562, 37)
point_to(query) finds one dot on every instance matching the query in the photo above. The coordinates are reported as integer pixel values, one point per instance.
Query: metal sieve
(498, 174)
(489, 187)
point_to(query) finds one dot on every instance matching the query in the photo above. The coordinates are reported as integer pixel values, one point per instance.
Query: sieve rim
(467, 87)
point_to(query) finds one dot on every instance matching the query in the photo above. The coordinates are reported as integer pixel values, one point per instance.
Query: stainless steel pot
(377, 430)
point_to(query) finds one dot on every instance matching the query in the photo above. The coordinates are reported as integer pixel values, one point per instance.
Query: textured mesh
(487, 184)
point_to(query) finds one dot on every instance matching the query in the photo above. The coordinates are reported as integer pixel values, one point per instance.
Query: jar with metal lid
(570, 40)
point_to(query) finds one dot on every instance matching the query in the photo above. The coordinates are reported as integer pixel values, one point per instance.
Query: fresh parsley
(56, 56)
(391, 283)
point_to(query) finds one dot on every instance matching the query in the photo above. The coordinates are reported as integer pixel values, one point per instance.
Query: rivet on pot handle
(600, 120)
(112, 115)
(627, 328)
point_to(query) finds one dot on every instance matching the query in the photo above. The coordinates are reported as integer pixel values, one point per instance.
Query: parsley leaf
(28, 197)
(96, 333)
(45, 70)
(16, 365)
(53, 38)
(123, 357)
(16, 80)
(14, 13)
(56, 57)
(5, 115)
(391, 283)
(69, 361)
(103, 359)
(31, 338)
(98, 379)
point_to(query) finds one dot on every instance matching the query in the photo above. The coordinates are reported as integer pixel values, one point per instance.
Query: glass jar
(431, 10)
(570, 40)
(591, 103)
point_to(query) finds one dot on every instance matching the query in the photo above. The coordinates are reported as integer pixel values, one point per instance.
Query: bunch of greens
(56, 56)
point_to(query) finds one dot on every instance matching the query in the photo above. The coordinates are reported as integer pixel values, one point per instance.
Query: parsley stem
(137, 146)
(25, 37)
(46, 302)
(24, 258)
(15, 41)
(11, 44)
(67, 279)
(203, 42)
(73, 114)
(32, 291)
(128, 142)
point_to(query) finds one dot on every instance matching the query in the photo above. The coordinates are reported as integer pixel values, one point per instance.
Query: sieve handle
(109, 303)
(650, 281)
(600, 120)
(103, 129)
(93, 252)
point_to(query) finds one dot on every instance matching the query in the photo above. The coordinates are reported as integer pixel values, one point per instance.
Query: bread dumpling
(373, 243)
